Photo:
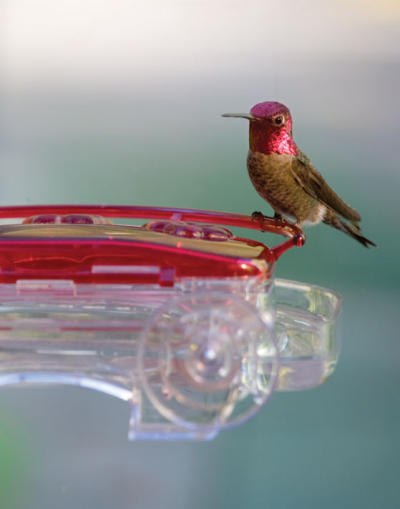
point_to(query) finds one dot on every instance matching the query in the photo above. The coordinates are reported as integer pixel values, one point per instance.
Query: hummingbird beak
(248, 116)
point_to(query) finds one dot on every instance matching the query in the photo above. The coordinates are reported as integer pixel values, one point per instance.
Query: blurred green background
(120, 102)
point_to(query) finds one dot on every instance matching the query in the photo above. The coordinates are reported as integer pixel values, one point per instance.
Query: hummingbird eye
(278, 120)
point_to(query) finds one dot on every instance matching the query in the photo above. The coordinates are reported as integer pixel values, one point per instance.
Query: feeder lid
(83, 243)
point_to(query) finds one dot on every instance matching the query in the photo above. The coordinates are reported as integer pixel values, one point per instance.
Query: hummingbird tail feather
(349, 228)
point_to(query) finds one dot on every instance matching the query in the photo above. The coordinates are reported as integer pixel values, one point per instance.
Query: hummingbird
(285, 177)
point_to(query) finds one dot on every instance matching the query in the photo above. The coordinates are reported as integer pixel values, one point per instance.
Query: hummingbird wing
(314, 184)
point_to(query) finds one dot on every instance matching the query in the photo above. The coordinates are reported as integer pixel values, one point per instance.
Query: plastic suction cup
(207, 360)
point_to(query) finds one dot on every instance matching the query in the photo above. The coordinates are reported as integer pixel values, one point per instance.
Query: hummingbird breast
(273, 179)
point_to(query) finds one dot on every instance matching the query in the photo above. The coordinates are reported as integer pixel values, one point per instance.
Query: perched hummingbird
(286, 178)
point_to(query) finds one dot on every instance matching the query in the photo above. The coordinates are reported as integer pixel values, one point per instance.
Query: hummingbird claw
(279, 219)
(259, 217)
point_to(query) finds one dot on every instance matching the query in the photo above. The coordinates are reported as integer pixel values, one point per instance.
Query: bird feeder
(177, 316)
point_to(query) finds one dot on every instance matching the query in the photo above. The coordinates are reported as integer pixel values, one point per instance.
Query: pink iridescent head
(270, 128)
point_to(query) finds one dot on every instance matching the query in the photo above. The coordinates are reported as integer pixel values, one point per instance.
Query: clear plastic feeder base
(190, 360)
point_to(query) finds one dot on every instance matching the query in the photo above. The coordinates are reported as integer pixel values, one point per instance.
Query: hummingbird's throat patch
(268, 140)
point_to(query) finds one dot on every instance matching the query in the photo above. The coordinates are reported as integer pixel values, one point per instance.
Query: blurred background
(120, 102)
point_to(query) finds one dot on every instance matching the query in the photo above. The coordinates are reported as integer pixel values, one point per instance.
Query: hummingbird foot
(259, 217)
(278, 217)
(279, 225)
